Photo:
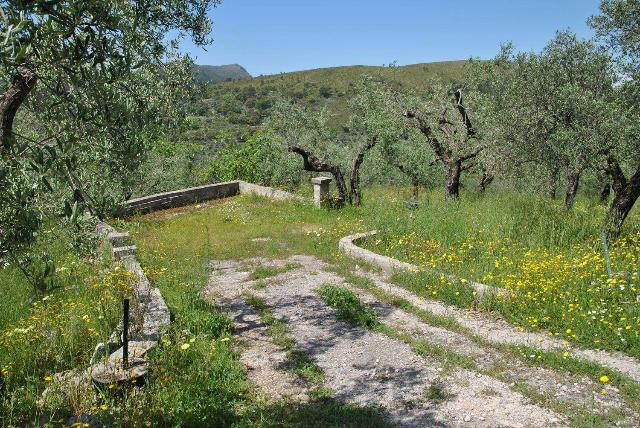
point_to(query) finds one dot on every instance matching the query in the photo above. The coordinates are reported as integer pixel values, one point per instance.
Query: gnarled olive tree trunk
(355, 193)
(312, 163)
(11, 100)
(626, 193)
(573, 183)
(452, 179)
(604, 183)
(553, 182)
(454, 164)
(486, 180)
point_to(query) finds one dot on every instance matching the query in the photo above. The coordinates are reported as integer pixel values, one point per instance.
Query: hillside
(239, 106)
(220, 73)
(340, 78)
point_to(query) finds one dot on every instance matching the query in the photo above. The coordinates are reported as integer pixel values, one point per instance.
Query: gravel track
(374, 370)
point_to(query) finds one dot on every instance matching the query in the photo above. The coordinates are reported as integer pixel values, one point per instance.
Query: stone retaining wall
(149, 319)
(150, 315)
(192, 195)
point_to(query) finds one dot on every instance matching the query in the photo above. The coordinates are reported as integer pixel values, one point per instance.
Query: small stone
(467, 418)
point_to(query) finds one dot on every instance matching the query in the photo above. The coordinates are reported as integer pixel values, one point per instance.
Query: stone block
(119, 239)
(120, 253)
(320, 190)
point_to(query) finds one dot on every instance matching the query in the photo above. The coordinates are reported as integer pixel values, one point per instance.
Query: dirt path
(499, 331)
(263, 359)
(374, 370)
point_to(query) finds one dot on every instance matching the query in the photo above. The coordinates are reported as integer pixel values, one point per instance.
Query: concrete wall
(179, 198)
(269, 192)
(193, 195)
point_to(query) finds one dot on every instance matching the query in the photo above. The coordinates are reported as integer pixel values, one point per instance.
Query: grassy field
(552, 259)
(43, 335)
(183, 244)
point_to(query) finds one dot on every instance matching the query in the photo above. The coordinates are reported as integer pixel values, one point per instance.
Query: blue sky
(273, 36)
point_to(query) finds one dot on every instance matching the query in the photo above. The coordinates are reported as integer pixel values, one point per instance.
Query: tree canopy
(86, 85)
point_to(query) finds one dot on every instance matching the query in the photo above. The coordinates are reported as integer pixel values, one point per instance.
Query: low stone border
(192, 195)
(390, 265)
(149, 319)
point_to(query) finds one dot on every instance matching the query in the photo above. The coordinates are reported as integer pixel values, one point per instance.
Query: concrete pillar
(320, 190)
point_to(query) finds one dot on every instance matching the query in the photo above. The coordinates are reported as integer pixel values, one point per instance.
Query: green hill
(240, 106)
(340, 78)
(220, 73)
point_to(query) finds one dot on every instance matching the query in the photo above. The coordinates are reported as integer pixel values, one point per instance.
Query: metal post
(125, 334)
(605, 246)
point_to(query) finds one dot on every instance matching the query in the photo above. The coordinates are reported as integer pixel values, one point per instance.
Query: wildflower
(604, 379)
(226, 339)
(48, 378)
(185, 346)
(104, 407)
(565, 355)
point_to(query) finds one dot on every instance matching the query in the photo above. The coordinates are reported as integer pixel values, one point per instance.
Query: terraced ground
(313, 327)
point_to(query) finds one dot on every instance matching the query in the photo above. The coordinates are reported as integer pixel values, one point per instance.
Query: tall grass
(44, 334)
(552, 260)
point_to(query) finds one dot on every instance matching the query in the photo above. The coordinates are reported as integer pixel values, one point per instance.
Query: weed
(262, 272)
(349, 307)
(436, 392)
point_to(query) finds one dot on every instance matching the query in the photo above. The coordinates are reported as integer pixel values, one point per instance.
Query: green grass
(349, 306)
(262, 272)
(296, 229)
(208, 385)
(44, 334)
(436, 393)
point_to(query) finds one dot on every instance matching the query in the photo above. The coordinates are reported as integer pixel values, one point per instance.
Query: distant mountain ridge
(220, 73)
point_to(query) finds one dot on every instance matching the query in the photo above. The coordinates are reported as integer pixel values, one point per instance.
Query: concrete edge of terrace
(349, 246)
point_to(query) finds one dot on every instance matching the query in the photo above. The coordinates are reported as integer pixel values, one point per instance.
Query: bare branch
(11, 100)
(468, 166)
(617, 175)
(463, 113)
(311, 163)
(425, 129)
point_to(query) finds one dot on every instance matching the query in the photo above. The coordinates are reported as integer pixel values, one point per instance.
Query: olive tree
(556, 109)
(446, 124)
(322, 149)
(400, 144)
(618, 25)
(85, 85)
